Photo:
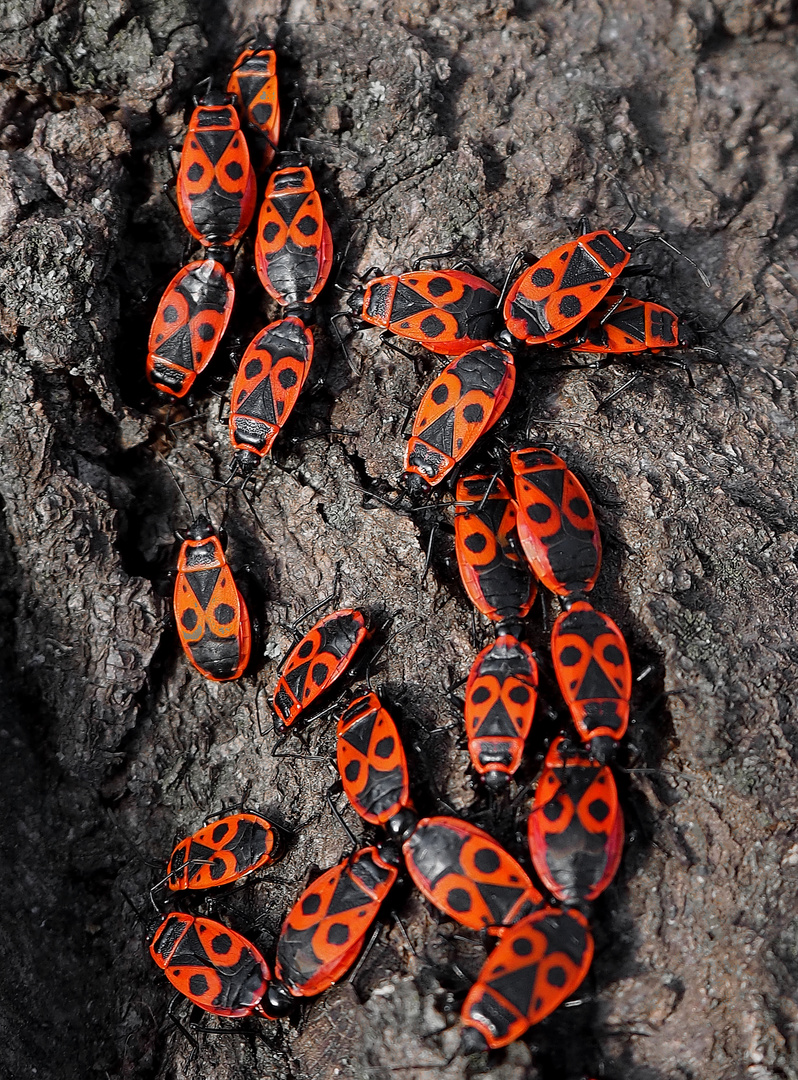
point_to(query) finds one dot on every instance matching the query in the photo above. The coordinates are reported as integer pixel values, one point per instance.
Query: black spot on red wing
(385, 747)
(194, 172)
(432, 326)
(475, 543)
(439, 286)
(440, 394)
(224, 613)
(542, 277)
(556, 976)
(579, 508)
(570, 656)
(234, 170)
(522, 946)
(338, 934)
(613, 655)
(352, 771)
(487, 861)
(538, 512)
(599, 810)
(311, 904)
(219, 832)
(519, 695)
(170, 313)
(307, 225)
(569, 306)
(198, 985)
(553, 810)
(189, 619)
(459, 900)
(222, 944)
(319, 673)
(287, 378)
(305, 650)
(254, 367)
(270, 231)
(480, 694)
(473, 413)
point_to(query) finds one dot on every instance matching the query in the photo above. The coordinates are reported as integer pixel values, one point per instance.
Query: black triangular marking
(287, 206)
(631, 322)
(203, 582)
(177, 349)
(550, 482)
(440, 433)
(359, 735)
(500, 899)
(582, 269)
(249, 87)
(408, 302)
(517, 987)
(347, 895)
(533, 312)
(259, 404)
(595, 683)
(214, 144)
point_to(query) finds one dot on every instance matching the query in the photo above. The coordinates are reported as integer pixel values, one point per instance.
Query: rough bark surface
(490, 127)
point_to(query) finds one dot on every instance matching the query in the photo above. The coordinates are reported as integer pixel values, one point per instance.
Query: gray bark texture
(432, 124)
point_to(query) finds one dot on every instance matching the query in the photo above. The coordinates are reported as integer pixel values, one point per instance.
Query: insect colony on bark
(542, 531)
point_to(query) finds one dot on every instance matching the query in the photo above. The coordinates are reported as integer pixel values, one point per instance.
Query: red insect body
(189, 324)
(500, 699)
(211, 616)
(467, 875)
(537, 964)
(461, 404)
(253, 83)
(492, 565)
(216, 186)
(222, 852)
(447, 311)
(315, 662)
(371, 761)
(293, 245)
(592, 665)
(270, 377)
(323, 933)
(562, 288)
(213, 966)
(575, 827)
(556, 524)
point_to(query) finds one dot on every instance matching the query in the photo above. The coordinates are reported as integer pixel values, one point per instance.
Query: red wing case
(253, 83)
(216, 186)
(447, 311)
(270, 377)
(500, 699)
(210, 613)
(536, 966)
(293, 245)
(554, 294)
(467, 875)
(556, 523)
(315, 662)
(591, 661)
(575, 828)
(189, 324)
(324, 931)
(492, 564)
(210, 964)
(371, 761)
(463, 402)
(222, 852)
